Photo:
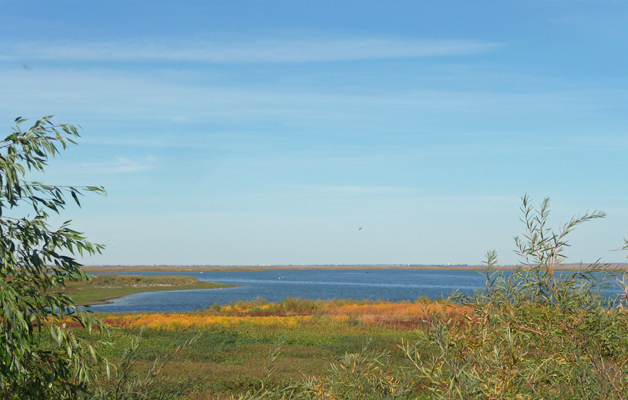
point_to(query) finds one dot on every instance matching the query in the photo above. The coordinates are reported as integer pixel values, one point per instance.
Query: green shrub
(535, 332)
(40, 357)
(292, 304)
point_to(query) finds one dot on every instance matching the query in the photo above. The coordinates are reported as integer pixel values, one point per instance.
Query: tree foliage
(40, 357)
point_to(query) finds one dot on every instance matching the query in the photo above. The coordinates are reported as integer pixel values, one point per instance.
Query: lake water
(394, 285)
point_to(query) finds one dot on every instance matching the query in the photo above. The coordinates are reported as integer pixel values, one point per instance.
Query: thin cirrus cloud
(260, 51)
(120, 165)
(345, 190)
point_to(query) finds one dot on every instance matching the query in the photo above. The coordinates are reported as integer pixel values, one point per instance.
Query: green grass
(230, 361)
(107, 287)
(225, 362)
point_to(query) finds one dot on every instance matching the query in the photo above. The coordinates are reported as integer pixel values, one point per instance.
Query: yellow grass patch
(408, 315)
(183, 321)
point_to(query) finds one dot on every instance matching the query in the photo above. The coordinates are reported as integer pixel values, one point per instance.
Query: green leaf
(76, 198)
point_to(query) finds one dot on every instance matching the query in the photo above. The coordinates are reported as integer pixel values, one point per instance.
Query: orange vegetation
(404, 315)
(182, 321)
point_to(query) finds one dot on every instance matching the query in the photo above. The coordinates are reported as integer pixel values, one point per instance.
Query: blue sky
(269, 132)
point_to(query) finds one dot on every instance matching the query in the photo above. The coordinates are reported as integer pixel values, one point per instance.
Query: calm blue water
(394, 285)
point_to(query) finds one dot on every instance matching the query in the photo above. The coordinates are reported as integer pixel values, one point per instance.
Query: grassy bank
(107, 287)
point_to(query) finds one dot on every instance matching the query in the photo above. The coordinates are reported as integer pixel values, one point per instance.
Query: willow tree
(40, 357)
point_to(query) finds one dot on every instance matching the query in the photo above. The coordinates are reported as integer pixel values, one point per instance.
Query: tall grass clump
(535, 332)
(364, 375)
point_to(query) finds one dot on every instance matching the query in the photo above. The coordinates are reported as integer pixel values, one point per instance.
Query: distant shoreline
(225, 268)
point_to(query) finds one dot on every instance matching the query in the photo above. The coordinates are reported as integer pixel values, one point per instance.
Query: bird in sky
(360, 229)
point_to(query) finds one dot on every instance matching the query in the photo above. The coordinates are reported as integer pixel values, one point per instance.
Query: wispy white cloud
(352, 190)
(122, 96)
(155, 109)
(258, 51)
(119, 165)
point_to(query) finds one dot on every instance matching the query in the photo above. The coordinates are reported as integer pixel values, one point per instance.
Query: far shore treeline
(218, 268)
